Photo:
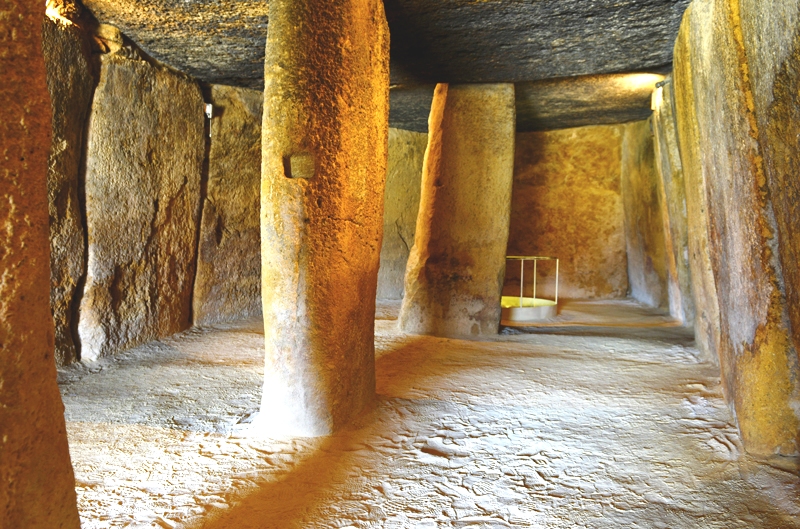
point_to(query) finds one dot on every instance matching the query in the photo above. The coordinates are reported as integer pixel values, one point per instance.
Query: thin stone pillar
(325, 137)
(455, 272)
(37, 485)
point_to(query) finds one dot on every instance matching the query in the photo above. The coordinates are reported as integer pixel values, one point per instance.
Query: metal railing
(522, 260)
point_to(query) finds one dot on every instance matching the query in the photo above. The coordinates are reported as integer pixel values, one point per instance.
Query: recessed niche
(299, 165)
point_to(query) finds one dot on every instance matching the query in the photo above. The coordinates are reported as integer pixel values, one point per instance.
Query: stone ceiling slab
(549, 104)
(222, 41)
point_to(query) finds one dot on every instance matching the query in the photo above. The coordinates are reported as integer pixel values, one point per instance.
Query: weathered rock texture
(37, 486)
(587, 100)
(690, 141)
(673, 200)
(648, 274)
(217, 42)
(70, 83)
(567, 203)
(326, 113)
(144, 160)
(410, 106)
(547, 105)
(456, 41)
(401, 205)
(739, 61)
(455, 271)
(228, 283)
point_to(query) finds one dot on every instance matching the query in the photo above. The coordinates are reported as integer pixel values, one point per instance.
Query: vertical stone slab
(567, 202)
(144, 160)
(455, 271)
(771, 43)
(401, 204)
(648, 273)
(757, 353)
(325, 126)
(673, 187)
(70, 83)
(228, 283)
(704, 287)
(37, 486)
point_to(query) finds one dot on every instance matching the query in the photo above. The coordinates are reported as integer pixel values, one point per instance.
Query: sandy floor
(611, 425)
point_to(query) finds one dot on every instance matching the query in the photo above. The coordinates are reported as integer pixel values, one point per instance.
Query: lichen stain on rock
(758, 359)
(566, 202)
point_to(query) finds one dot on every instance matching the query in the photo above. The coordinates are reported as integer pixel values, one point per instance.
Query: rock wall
(37, 485)
(567, 202)
(67, 54)
(735, 78)
(673, 199)
(648, 273)
(145, 152)
(228, 283)
(400, 207)
(704, 287)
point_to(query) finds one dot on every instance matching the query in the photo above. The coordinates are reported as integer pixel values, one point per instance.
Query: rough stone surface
(37, 486)
(547, 105)
(144, 161)
(648, 273)
(704, 287)
(567, 202)
(401, 205)
(587, 427)
(749, 209)
(456, 41)
(771, 41)
(218, 42)
(228, 282)
(67, 53)
(326, 116)
(410, 107)
(673, 199)
(588, 100)
(454, 276)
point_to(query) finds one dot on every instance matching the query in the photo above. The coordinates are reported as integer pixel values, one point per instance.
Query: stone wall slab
(145, 152)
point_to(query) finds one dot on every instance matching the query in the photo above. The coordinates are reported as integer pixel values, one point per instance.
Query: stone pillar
(324, 150)
(37, 486)
(455, 271)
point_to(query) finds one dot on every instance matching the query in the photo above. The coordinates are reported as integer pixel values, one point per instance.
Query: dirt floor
(611, 424)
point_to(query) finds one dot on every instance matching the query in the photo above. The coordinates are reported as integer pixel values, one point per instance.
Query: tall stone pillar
(454, 276)
(325, 137)
(37, 485)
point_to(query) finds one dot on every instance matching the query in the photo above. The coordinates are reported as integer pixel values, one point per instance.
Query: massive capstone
(456, 41)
